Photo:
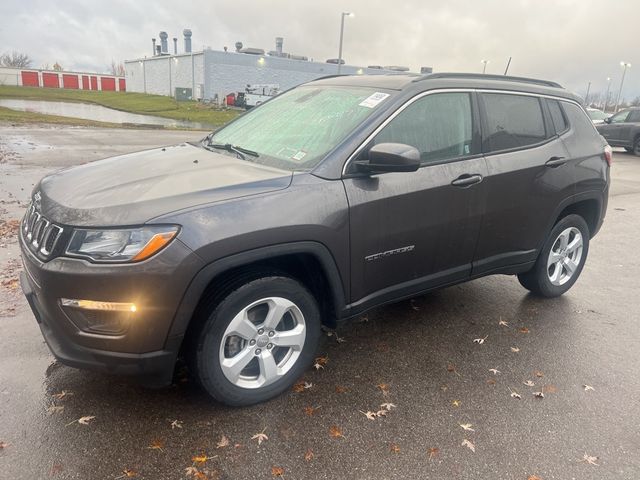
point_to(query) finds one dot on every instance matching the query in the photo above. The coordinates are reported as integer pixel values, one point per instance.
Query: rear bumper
(152, 368)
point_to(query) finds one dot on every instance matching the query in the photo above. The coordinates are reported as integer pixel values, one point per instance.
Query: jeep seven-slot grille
(40, 235)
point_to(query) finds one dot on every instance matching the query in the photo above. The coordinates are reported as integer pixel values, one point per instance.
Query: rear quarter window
(512, 121)
(557, 116)
(579, 120)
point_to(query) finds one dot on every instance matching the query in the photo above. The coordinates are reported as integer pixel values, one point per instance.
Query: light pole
(606, 97)
(344, 14)
(484, 65)
(586, 97)
(624, 65)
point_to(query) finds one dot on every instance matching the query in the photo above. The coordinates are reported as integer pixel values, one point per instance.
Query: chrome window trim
(453, 90)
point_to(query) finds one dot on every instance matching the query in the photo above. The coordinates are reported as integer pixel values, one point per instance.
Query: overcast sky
(570, 41)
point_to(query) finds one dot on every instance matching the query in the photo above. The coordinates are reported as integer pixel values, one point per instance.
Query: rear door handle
(467, 180)
(554, 162)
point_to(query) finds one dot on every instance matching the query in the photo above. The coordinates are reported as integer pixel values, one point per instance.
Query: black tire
(537, 279)
(205, 361)
(636, 147)
(629, 149)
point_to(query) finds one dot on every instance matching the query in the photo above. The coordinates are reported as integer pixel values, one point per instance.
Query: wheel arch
(309, 262)
(588, 205)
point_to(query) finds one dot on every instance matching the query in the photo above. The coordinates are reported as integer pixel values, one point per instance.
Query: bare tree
(635, 102)
(57, 67)
(116, 68)
(15, 60)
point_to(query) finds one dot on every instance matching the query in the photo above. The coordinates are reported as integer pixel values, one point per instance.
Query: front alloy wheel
(256, 339)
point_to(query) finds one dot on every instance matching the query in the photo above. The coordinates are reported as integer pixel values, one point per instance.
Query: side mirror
(390, 157)
(607, 120)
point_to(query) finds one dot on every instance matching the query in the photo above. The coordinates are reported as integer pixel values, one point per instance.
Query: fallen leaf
(318, 366)
(590, 460)
(469, 445)
(310, 410)
(433, 452)
(384, 388)
(456, 403)
(387, 406)
(223, 442)
(341, 389)
(515, 395)
(277, 471)
(129, 473)
(382, 413)
(156, 445)
(452, 368)
(190, 471)
(3, 445)
(176, 424)
(524, 330)
(340, 339)
(56, 468)
(549, 389)
(588, 387)
(480, 341)
(491, 381)
(515, 349)
(538, 394)
(370, 415)
(495, 371)
(83, 420)
(307, 385)
(533, 477)
(201, 459)
(261, 437)
(467, 427)
(53, 409)
(335, 432)
(502, 323)
(414, 306)
(529, 383)
(308, 455)
(299, 387)
(394, 448)
(538, 374)
(62, 394)
(321, 362)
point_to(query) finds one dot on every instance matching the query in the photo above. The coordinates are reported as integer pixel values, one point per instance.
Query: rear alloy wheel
(257, 341)
(636, 147)
(561, 259)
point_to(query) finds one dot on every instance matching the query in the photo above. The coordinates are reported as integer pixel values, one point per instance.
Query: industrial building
(212, 74)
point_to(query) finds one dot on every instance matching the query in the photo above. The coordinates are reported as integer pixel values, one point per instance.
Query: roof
(450, 80)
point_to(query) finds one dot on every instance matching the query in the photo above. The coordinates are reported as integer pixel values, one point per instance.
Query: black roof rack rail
(485, 76)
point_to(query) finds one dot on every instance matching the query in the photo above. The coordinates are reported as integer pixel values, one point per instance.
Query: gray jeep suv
(332, 198)
(623, 130)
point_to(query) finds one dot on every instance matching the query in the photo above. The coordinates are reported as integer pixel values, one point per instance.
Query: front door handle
(554, 162)
(467, 180)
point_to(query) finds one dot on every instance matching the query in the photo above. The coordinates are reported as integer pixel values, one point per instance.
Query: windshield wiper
(241, 152)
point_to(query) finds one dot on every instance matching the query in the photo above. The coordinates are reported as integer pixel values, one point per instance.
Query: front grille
(40, 235)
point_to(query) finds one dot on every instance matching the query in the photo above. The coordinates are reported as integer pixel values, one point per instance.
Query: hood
(134, 188)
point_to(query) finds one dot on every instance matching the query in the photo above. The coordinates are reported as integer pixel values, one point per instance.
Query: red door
(94, 83)
(30, 79)
(70, 81)
(108, 83)
(85, 82)
(50, 80)
(122, 84)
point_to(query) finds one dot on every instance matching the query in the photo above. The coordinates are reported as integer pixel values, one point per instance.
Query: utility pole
(344, 14)
(606, 97)
(625, 65)
(586, 97)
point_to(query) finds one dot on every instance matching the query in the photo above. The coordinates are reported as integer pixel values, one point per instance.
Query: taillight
(608, 155)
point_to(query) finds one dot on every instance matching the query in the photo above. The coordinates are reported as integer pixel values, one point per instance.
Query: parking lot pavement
(581, 351)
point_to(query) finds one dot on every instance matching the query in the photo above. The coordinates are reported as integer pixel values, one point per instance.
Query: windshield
(597, 115)
(295, 130)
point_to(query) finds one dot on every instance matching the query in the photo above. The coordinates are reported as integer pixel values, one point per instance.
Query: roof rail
(484, 76)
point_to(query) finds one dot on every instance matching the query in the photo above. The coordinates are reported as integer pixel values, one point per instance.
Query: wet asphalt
(418, 355)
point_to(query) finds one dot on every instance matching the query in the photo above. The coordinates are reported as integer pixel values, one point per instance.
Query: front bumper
(144, 350)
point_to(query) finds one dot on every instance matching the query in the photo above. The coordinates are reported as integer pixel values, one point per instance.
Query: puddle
(99, 113)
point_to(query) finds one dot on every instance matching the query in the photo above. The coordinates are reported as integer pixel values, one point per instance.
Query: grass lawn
(14, 116)
(142, 103)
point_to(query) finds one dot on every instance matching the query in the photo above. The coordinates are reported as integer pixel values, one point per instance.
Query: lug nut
(272, 333)
(269, 346)
(258, 351)
(252, 342)
(261, 331)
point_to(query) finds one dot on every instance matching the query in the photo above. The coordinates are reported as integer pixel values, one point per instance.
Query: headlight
(124, 245)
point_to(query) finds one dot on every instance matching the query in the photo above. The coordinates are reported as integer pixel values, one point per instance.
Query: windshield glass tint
(295, 130)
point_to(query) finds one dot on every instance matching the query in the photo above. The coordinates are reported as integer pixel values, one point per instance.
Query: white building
(210, 73)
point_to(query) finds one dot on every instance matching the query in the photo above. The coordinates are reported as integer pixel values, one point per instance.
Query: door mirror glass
(390, 157)
(607, 120)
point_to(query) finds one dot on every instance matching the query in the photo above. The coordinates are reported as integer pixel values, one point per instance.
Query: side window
(634, 116)
(512, 121)
(557, 116)
(580, 121)
(438, 125)
(620, 117)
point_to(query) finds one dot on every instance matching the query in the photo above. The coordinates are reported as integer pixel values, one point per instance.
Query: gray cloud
(570, 41)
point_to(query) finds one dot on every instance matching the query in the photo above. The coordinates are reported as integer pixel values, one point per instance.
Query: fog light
(93, 305)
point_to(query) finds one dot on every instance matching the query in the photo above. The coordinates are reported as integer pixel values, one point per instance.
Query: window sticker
(374, 99)
(300, 154)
